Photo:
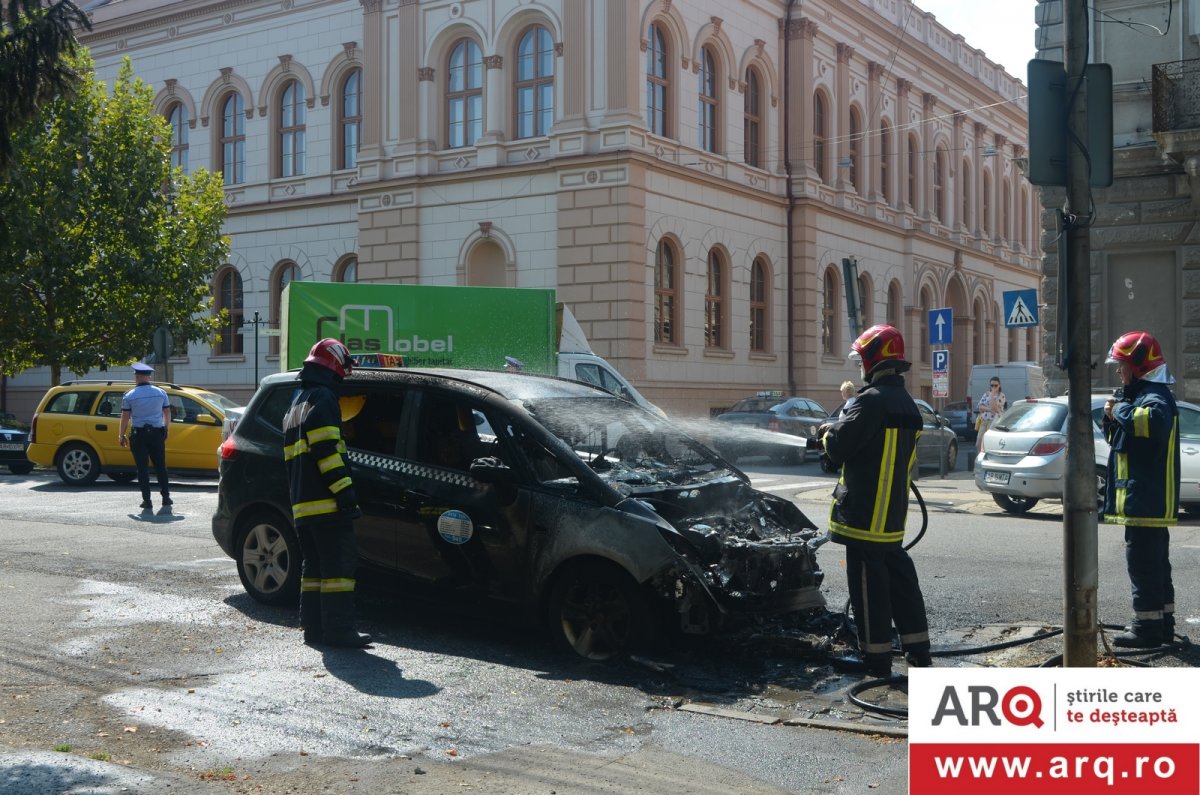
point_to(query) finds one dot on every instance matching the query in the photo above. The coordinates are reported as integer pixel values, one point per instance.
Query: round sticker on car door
(455, 527)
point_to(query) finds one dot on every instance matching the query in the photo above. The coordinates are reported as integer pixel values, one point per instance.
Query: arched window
(229, 300)
(709, 105)
(913, 170)
(760, 282)
(752, 121)
(986, 209)
(819, 134)
(855, 147)
(714, 302)
(866, 304)
(829, 314)
(666, 295)
(535, 83)
(177, 117)
(346, 270)
(292, 129)
(285, 273)
(658, 85)
(233, 139)
(350, 123)
(939, 184)
(926, 307)
(885, 163)
(464, 94)
(895, 307)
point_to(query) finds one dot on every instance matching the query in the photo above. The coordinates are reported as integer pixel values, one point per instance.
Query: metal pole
(1079, 501)
(256, 322)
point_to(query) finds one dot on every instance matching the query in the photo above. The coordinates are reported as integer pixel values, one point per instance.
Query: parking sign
(941, 361)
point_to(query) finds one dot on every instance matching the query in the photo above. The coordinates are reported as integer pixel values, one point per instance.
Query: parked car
(14, 437)
(961, 416)
(553, 495)
(759, 425)
(937, 440)
(1025, 453)
(75, 430)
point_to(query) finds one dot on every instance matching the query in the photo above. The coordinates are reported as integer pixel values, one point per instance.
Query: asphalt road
(131, 660)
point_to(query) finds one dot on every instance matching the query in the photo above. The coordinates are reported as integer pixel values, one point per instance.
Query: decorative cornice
(371, 6)
(425, 74)
(493, 61)
(716, 23)
(875, 71)
(903, 86)
(980, 129)
(844, 53)
(928, 101)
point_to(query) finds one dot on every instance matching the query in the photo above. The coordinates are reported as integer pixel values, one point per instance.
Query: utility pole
(1079, 501)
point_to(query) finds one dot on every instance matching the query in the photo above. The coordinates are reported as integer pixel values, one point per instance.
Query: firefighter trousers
(327, 577)
(884, 589)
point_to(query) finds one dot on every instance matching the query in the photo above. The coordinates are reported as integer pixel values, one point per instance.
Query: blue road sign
(941, 326)
(1020, 308)
(941, 361)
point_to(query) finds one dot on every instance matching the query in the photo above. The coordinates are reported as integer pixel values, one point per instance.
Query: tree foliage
(101, 241)
(36, 42)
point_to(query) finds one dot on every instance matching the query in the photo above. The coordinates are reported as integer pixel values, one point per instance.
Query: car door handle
(101, 427)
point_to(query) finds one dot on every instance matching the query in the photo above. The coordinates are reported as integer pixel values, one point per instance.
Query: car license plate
(996, 477)
(11, 446)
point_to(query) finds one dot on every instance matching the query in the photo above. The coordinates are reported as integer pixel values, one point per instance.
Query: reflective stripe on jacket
(314, 454)
(875, 443)
(1143, 462)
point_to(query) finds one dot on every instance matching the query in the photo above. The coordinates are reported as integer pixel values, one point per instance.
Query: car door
(371, 423)
(104, 430)
(453, 528)
(929, 445)
(195, 434)
(1189, 455)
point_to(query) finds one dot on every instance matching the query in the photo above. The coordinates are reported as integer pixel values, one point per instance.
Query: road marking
(800, 486)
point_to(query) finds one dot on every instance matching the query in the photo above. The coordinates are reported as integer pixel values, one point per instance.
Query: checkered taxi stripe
(412, 468)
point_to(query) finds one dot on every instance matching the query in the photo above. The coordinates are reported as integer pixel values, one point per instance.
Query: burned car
(554, 495)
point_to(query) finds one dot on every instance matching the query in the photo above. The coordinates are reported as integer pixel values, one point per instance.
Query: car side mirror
(206, 419)
(493, 471)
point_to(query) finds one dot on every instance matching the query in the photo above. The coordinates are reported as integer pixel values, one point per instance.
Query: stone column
(571, 75)
(374, 69)
(954, 184)
(902, 131)
(494, 98)
(800, 104)
(873, 148)
(928, 157)
(980, 222)
(624, 62)
(841, 130)
(426, 93)
(998, 187)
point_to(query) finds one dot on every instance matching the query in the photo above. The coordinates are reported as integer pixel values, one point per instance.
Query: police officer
(324, 505)
(147, 409)
(873, 442)
(1141, 424)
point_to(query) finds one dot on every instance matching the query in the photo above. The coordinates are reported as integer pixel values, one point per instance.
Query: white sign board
(941, 385)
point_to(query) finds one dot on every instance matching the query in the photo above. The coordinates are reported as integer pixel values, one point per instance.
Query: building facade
(1145, 241)
(688, 176)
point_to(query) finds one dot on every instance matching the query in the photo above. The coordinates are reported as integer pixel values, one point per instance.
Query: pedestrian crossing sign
(1020, 308)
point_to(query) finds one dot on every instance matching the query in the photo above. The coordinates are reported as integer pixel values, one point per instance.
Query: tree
(35, 42)
(101, 241)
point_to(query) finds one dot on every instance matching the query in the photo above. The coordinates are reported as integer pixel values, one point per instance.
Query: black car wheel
(952, 455)
(596, 612)
(790, 456)
(20, 468)
(268, 559)
(1014, 504)
(78, 464)
(122, 477)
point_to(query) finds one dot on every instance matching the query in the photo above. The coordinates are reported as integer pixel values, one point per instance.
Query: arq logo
(1020, 706)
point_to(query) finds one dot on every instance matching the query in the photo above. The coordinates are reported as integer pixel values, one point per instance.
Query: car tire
(78, 464)
(122, 477)
(20, 469)
(1014, 504)
(952, 455)
(596, 611)
(269, 558)
(789, 457)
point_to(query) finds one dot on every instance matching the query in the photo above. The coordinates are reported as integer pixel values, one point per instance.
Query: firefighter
(873, 444)
(1141, 423)
(324, 505)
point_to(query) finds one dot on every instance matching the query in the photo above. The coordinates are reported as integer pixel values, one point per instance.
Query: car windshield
(220, 401)
(756, 404)
(626, 444)
(1032, 416)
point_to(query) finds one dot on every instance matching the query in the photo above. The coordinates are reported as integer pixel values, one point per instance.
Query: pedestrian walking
(1141, 424)
(991, 406)
(324, 505)
(145, 423)
(873, 443)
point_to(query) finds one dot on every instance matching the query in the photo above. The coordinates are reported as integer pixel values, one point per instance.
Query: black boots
(1138, 639)
(919, 659)
(328, 619)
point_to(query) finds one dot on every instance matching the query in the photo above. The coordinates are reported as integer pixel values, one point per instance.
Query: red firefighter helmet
(879, 345)
(331, 353)
(1140, 349)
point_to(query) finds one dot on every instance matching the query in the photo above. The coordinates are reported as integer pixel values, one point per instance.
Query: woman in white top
(990, 407)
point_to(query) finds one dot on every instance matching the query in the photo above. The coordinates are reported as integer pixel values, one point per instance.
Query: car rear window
(1034, 416)
(756, 404)
(71, 403)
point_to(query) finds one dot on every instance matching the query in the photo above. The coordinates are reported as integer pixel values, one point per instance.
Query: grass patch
(100, 756)
(63, 748)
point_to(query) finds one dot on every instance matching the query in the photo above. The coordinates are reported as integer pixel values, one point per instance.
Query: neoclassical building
(688, 176)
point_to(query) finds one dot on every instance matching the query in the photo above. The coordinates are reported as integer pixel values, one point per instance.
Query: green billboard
(428, 325)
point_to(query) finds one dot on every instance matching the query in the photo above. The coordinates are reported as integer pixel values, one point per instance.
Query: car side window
(275, 406)
(186, 410)
(1189, 423)
(371, 421)
(110, 404)
(927, 417)
(71, 403)
(448, 433)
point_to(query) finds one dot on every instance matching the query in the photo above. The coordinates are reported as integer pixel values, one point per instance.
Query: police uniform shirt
(145, 404)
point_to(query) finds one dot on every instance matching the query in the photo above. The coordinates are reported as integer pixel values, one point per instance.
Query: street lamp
(256, 321)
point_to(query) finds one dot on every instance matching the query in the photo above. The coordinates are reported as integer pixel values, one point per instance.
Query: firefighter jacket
(1143, 459)
(315, 456)
(874, 443)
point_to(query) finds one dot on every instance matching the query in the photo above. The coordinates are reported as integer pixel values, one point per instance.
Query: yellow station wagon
(76, 425)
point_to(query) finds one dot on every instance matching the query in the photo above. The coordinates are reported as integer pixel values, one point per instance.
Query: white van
(577, 361)
(1018, 380)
